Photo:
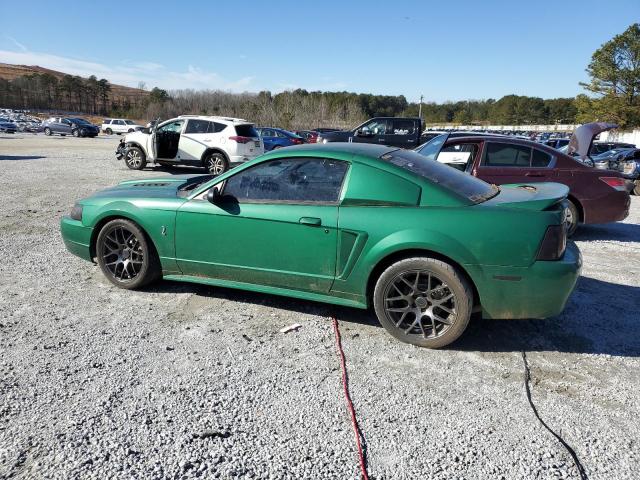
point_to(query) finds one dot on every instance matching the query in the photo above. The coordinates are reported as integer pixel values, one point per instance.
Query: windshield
(460, 183)
(433, 146)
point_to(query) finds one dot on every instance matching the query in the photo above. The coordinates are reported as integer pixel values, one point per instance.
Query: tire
(75, 132)
(424, 286)
(135, 158)
(108, 131)
(130, 130)
(216, 163)
(573, 218)
(47, 132)
(636, 188)
(126, 255)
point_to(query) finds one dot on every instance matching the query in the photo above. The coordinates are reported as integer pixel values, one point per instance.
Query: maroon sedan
(595, 196)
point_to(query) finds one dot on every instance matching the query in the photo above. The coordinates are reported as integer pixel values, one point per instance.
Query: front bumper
(76, 237)
(538, 291)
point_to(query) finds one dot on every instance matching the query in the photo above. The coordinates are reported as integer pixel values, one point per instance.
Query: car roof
(366, 149)
(231, 120)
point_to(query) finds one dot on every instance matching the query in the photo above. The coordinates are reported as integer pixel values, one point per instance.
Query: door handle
(310, 221)
(531, 174)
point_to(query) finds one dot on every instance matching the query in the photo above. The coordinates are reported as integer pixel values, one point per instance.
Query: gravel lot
(184, 380)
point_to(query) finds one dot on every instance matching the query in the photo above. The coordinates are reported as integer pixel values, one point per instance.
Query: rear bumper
(242, 158)
(538, 291)
(76, 237)
(613, 207)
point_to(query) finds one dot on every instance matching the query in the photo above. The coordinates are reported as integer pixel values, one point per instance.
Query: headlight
(76, 212)
(629, 167)
(324, 140)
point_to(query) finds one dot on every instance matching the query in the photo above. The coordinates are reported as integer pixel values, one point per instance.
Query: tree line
(43, 91)
(614, 85)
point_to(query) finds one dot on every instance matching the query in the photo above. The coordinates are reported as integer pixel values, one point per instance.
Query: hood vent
(157, 184)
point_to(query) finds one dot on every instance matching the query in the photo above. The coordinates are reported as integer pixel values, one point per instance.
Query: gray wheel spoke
(446, 321)
(399, 322)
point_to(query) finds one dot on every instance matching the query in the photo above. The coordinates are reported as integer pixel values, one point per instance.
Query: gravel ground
(181, 380)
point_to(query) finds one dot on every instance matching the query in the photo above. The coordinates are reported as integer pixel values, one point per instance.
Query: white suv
(205, 141)
(119, 125)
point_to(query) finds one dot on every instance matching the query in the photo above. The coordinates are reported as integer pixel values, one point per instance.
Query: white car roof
(216, 118)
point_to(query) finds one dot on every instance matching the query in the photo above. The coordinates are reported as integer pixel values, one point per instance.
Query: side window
(290, 180)
(197, 126)
(118, 122)
(460, 155)
(540, 159)
(106, 122)
(377, 127)
(174, 127)
(505, 155)
(217, 127)
(267, 133)
(403, 127)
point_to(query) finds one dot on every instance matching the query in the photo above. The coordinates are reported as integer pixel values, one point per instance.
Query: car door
(275, 224)
(269, 138)
(195, 139)
(404, 133)
(504, 162)
(65, 126)
(167, 140)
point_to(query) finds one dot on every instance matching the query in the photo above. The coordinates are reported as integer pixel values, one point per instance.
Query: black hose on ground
(574, 456)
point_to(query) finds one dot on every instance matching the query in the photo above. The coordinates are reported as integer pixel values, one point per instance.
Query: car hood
(137, 136)
(582, 138)
(149, 188)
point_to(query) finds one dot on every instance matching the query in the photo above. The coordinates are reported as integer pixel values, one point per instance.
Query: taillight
(616, 183)
(297, 141)
(241, 139)
(553, 243)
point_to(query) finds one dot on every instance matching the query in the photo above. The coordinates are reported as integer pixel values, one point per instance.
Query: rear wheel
(573, 218)
(216, 163)
(636, 188)
(47, 131)
(126, 256)
(423, 301)
(135, 158)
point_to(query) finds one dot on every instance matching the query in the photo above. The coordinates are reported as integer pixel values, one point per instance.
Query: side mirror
(213, 195)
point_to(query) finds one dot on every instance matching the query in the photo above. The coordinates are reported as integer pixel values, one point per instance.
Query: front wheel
(47, 132)
(135, 158)
(572, 219)
(636, 188)
(108, 131)
(216, 163)
(423, 301)
(126, 256)
(75, 132)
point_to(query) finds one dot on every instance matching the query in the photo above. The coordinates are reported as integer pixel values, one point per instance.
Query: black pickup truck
(392, 131)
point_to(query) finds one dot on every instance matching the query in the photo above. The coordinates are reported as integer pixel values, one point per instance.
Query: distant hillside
(119, 93)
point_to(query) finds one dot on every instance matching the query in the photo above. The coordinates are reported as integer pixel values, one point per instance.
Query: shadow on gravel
(600, 318)
(352, 315)
(618, 232)
(21, 157)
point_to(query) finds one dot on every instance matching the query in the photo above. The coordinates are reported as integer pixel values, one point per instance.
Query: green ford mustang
(350, 224)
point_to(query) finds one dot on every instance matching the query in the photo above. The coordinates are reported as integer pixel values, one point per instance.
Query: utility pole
(420, 109)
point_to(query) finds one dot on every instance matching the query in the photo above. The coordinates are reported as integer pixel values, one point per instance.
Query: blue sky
(447, 50)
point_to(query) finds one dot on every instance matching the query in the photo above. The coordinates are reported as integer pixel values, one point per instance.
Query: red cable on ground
(347, 396)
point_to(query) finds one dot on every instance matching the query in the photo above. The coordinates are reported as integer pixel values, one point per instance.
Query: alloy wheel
(215, 165)
(419, 303)
(133, 158)
(122, 254)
